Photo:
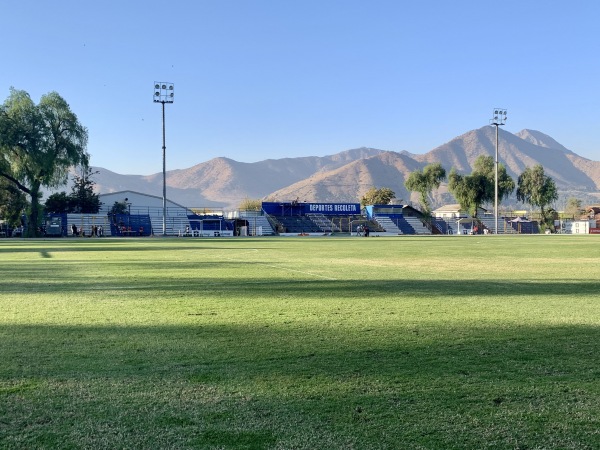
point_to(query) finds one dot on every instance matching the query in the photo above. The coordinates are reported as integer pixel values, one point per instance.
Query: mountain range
(346, 176)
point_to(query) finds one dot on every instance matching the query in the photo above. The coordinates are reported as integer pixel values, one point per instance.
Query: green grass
(301, 343)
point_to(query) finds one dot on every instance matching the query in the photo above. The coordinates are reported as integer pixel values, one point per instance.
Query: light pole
(498, 120)
(164, 93)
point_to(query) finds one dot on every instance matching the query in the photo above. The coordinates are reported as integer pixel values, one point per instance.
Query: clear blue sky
(272, 79)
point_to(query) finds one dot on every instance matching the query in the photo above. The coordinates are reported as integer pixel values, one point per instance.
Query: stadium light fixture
(499, 119)
(164, 93)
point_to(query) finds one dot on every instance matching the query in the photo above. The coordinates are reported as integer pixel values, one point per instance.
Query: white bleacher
(175, 225)
(388, 225)
(259, 226)
(85, 222)
(417, 225)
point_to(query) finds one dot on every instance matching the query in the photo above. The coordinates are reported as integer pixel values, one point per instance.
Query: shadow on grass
(254, 386)
(422, 351)
(183, 282)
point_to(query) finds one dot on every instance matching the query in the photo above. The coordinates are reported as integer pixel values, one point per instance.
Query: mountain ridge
(347, 175)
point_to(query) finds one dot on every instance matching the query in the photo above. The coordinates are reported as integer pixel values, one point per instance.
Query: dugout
(209, 226)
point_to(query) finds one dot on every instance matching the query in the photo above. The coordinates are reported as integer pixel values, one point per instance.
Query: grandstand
(144, 217)
(398, 219)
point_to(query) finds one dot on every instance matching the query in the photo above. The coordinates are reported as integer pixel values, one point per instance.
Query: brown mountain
(225, 182)
(350, 182)
(518, 151)
(346, 176)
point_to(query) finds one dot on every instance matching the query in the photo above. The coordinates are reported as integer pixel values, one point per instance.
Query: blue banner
(338, 209)
(295, 208)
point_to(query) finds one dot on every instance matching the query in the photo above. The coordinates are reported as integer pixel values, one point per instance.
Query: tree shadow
(376, 386)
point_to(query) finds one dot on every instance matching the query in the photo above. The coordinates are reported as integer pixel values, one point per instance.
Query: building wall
(139, 203)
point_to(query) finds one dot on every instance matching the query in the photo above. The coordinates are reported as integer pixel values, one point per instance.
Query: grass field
(301, 343)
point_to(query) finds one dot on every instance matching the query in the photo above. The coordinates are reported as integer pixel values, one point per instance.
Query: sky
(270, 79)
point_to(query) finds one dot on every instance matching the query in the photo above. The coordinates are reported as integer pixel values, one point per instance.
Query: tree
(58, 203)
(38, 144)
(374, 196)
(472, 191)
(469, 190)
(118, 208)
(83, 199)
(537, 189)
(424, 182)
(573, 207)
(484, 165)
(13, 203)
(250, 205)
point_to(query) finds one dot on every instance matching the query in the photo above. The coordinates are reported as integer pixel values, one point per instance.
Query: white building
(139, 203)
(580, 226)
(150, 205)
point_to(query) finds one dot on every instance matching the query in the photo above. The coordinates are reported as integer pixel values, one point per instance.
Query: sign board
(304, 208)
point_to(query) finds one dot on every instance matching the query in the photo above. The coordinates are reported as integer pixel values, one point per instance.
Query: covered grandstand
(308, 218)
(142, 215)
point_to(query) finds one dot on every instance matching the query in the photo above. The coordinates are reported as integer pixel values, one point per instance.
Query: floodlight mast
(498, 119)
(164, 93)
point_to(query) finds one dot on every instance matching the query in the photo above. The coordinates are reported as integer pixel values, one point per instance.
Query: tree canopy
(375, 196)
(249, 204)
(537, 189)
(82, 199)
(424, 182)
(38, 145)
(472, 191)
(574, 207)
(13, 203)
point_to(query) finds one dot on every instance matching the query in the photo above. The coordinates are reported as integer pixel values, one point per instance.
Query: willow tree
(13, 203)
(537, 189)
(424, 182)
(472, 191)
(38, 145)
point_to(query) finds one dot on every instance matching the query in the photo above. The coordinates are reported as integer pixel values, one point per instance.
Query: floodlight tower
(498, 120)
(164, 93)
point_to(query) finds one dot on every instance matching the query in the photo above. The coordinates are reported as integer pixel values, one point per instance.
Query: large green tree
(424, 182)
(58, 203)
(13, 203)
(484, 165)
(38, 144)
(537, 189)
(469, 190)
(472, 191)
(83, 198)
(377, 196)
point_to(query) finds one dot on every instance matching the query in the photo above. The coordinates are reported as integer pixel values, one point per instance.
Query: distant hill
(347, 175)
